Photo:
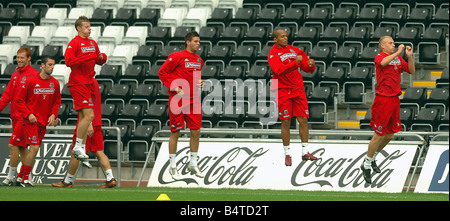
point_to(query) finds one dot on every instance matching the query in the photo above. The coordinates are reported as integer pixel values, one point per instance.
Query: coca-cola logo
(345, 169)
(235, 167)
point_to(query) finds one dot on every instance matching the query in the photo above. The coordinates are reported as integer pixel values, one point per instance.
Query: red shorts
(386, 115)
(34, 133)
(83, 96)
(18, 134)
(94, 143)
(178, 116)
(292, 103)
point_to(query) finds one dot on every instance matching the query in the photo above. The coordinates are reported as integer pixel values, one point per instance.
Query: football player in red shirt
(94, 143)
(385, 111)
(23, 72)
(284, 61)
(82, 54)
(181, 74)
(38, 102)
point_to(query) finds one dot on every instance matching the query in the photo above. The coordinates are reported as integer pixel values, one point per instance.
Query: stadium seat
(121, 91)
(318, 112)
(444, 125)
(122, 55)
(428, 53)
(308, 33)
(110, 146)
(438, 99)
(196, 17)
(322, 94)
(369, 53)
(320, 14)
(427, 120)
(158, 111)
(137, 150)
(422, 15)
(406, 118)
(63, 35)
(358, 34)
(334, 78)
(54, 17)
(7, 53)
(415, 98)
(41, 36)
(10, 15)
(109, 111)
(172, 18)
(125, 17)
(102, 17)
(112, 72)
(443, 81)
(18, 35)
(56, 51)
(322, 53)
(441, 15)
(75, 13)
(259, 71)
(408, 34)
(131, 111)
(332, 33)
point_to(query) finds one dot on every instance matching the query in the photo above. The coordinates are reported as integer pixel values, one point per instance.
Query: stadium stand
(342, 36)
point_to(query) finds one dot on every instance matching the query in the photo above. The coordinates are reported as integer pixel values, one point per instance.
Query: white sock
(305, 148)
(193, 161)
(69, 178)
(78, 142)
(368, 162)
(375, 155)
(109, 175)
(172, 160)
(12, 172)
(287, 150)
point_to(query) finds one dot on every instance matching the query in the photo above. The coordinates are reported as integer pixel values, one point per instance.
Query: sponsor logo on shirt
(192, 65)
(44, 91)
(88, 49)
(288, 56)
(396, 61)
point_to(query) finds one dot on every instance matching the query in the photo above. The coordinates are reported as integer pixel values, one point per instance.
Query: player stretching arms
(385, 118)
(38, 102)
(284, 61)
(18, 78)
(178, 73)
(81, 55)
(94, 143)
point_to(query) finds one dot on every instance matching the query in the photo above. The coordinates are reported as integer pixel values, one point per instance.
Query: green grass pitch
(78, 193)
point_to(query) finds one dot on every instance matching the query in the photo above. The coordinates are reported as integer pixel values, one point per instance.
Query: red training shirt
(18, 78)
(284, 66)
(389, 76)
(40, 97)
(81, 56)
(181, 65)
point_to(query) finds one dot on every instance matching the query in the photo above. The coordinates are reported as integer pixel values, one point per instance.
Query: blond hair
(381, 40)
(80, 20)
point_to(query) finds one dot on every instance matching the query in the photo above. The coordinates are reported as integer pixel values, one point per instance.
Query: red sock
(26, 171)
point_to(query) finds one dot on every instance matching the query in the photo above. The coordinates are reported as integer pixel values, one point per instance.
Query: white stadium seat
(75, 13)
(17, 35)
(54, 16)
(172, 17)
(63, 35)
(7, 53)
(112, 34)
(196, 17)
(41, 36)
(122, 55)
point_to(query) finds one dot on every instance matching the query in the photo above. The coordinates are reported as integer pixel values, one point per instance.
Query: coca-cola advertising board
(434, 175)
(261, 166)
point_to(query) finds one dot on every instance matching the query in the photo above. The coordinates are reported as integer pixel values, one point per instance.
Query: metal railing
(72, 128)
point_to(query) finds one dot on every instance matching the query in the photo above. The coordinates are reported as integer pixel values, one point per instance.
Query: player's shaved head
(277, 32)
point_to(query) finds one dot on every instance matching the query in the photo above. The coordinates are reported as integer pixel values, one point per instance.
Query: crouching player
(38, 102)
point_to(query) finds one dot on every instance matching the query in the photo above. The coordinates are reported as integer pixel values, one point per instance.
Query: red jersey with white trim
(389, 76)
(40, 97)
(284, 66)
(81, 56)
(18, 78)
(182, 65)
